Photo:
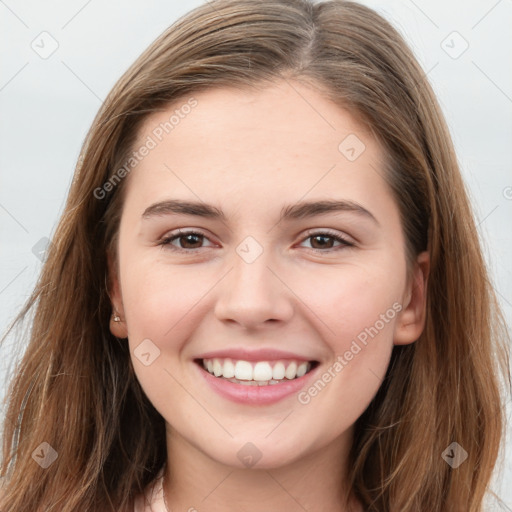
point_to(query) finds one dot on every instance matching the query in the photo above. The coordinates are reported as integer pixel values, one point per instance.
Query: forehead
(299, 113)
(285, 139)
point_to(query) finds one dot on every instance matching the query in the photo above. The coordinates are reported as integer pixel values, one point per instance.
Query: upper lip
(262, 354)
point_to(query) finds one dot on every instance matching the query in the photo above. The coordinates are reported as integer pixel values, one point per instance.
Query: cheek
(157, 297)
(347, 301)
(159, 309)
(349, 381)
(358, 313)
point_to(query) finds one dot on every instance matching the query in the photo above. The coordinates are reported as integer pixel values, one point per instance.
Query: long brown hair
(75, 387)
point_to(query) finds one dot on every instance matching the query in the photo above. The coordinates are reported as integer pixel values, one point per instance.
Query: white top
(152, 500)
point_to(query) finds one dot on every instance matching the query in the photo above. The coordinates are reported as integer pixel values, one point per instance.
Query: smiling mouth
(256, 373)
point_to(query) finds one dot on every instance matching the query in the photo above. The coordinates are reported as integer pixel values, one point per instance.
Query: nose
(254, 294)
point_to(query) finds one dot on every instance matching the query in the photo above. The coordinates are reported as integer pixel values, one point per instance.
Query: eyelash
(166, 242)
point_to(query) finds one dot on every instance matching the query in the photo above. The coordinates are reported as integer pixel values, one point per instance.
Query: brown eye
(187, 240)
(323, 241)
(190, 239)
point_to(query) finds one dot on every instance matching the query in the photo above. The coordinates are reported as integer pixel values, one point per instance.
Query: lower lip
(254, 395)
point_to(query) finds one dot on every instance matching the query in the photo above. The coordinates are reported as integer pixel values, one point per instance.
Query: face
(262, 272)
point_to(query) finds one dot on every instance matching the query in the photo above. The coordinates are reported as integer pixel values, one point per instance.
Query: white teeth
(217, 368)
(229, 369)
(291, 371)
(302, 369)
(254, 382)
(278, 371)
(261, 373)
(243, 370)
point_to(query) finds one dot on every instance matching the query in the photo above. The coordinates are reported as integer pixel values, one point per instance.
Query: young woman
(266, 291)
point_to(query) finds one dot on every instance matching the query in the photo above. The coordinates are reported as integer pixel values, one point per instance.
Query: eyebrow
(302, 210)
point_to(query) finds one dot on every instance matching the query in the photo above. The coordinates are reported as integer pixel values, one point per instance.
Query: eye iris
(188, 237)
(322, 245)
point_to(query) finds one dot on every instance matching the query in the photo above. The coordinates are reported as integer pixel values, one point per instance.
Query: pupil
(321, 237)
(189, 238)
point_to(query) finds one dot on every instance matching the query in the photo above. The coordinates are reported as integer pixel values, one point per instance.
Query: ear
(117, 328)
(411, 320)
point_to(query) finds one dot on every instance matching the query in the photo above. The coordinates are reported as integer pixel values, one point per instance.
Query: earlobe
(118, 326)
(117, 320)
(411, 321)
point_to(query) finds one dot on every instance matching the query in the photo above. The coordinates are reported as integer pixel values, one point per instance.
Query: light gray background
(47, 105)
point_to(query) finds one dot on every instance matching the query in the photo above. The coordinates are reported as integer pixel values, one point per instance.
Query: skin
(250, 153)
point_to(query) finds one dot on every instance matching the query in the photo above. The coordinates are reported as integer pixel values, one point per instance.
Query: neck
(317, 482)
